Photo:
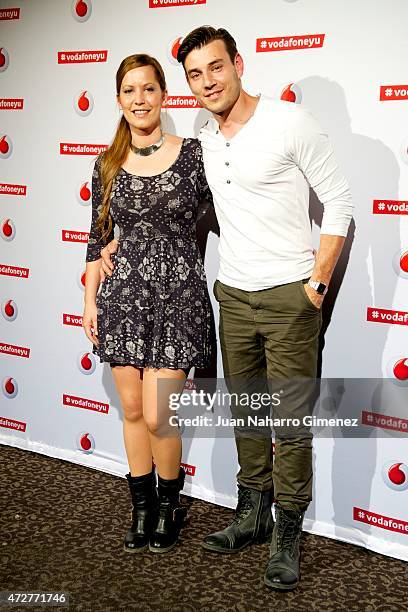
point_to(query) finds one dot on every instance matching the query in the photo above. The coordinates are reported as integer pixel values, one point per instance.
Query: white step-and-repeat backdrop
(346, 61)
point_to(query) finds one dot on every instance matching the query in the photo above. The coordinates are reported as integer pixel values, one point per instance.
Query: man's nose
(209, 80)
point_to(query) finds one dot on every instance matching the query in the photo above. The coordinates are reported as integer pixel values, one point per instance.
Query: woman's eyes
(126, 91)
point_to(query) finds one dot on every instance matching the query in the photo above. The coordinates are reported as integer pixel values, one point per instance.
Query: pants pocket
(306, 298)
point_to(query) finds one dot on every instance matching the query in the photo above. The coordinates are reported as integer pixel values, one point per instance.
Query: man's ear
(239, 65)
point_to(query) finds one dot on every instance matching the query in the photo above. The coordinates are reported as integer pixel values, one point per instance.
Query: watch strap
(319, 287)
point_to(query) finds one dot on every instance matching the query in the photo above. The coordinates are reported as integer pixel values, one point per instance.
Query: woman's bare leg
(166, 449)
(129, 385)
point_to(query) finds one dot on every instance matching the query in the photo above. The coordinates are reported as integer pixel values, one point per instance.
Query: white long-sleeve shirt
(260, 183)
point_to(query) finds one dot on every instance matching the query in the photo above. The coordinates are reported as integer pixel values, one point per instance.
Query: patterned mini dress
(154, 311)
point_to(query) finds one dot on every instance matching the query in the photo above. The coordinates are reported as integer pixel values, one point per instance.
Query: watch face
(320, 288)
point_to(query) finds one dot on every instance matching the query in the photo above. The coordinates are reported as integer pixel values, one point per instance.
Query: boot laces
(288, 531)
(244, 506)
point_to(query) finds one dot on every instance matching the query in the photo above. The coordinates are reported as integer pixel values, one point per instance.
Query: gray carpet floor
(61, 529)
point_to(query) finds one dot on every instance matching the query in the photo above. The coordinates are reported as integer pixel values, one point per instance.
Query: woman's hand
(90, 323)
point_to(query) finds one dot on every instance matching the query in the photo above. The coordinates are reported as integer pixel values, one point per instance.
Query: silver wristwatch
(319, 287)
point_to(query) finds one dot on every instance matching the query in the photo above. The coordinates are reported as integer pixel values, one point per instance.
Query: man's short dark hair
(203, 36)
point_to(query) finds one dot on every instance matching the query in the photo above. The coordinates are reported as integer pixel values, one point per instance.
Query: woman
(151, 320)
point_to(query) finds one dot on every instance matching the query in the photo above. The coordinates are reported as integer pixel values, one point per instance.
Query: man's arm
(310, 149)
(326, 259)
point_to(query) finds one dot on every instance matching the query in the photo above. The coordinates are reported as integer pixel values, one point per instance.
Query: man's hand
(107, 265)
(313, 296)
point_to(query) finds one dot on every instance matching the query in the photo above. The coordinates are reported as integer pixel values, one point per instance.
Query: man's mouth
(214, 95)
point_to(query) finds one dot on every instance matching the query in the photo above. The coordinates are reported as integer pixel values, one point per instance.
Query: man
(261, 156)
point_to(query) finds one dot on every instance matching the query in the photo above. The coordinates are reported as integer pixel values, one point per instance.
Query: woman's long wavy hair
(113, 158)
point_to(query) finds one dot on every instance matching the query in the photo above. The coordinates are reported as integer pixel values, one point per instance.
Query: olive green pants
(272, 335)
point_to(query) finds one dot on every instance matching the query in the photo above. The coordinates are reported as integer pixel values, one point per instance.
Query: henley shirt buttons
(228, 144)
(228, 181)
(227, 163)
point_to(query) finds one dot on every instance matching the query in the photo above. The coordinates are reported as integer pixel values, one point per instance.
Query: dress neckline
(144, 176)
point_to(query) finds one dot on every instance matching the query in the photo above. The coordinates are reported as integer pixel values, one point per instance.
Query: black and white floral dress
(154, 311)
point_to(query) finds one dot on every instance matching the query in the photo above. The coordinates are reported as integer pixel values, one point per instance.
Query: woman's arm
(93, 262)
(89, 318)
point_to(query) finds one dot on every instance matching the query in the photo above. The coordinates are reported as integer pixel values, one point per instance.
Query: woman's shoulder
(192, 147)
(98, 162)
(178, 140)
(194, 143)
(173, 139)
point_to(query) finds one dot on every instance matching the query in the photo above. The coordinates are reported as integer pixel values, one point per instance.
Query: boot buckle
(179, 515)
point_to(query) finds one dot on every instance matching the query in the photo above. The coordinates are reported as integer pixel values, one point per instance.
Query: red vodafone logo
(83, 103)
(397, 370)
(9, 387)
(81, 10)
(6, 146)
(4, 59)
(400, 369)
(8, 230)
(84, 193)
(291, 93)
(9, 310)
(86, 363)
(172, 49)
(86, 442)
(403, 262)
(81, 279)
(395, 475)
(400, 263)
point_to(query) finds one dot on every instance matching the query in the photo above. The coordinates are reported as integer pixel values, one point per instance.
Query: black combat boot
(144, 499)
(283, 571)
(171, 515)
(253, 523)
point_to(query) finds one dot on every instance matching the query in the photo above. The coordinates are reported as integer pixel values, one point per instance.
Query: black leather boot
(283, 570)
(171, 515)
(144, 512)
(253, 523)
